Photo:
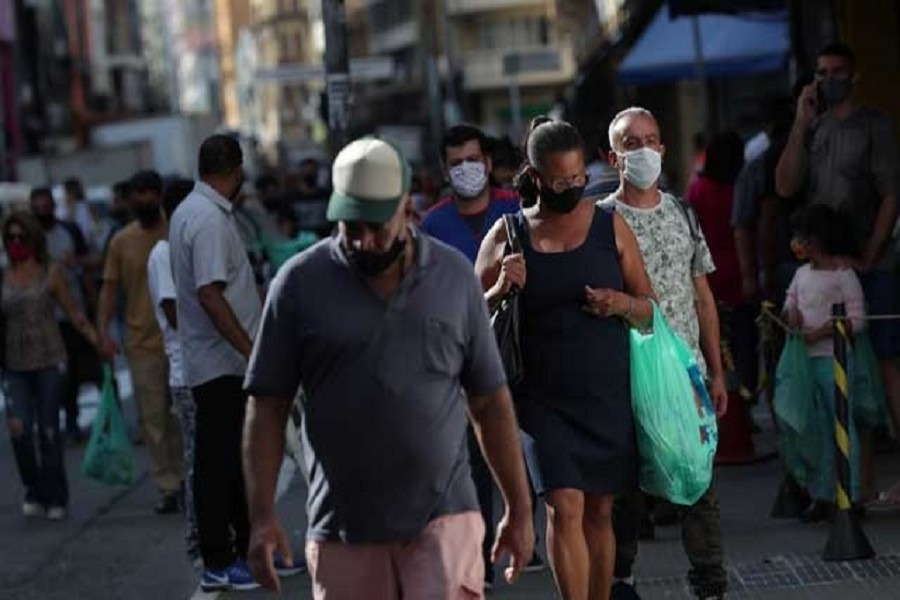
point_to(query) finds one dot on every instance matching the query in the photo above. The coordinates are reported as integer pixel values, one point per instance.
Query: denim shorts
(882, 291)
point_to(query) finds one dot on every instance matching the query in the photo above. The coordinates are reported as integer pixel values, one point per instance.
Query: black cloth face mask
(562, 202)
(371, 264)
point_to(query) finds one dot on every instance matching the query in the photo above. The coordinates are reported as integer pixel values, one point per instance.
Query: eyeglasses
(15, 237)
(561, 185)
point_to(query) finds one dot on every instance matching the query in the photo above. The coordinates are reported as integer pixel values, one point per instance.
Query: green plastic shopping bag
(866, 391)
(794, 404)
(108, 457)
(676, 428)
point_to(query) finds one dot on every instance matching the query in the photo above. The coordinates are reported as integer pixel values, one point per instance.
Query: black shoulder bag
(505, 318)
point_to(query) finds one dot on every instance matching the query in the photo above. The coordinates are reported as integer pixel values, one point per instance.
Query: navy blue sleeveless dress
(574, 405)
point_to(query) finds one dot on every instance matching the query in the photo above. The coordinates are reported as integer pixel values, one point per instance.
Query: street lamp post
(337, 73)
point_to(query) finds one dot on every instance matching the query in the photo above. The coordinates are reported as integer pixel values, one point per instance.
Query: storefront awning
(730, 45)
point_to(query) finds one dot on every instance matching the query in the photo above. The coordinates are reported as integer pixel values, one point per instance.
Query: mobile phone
(820, 100)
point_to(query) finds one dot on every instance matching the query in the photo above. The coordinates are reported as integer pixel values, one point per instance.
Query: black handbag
(505, 318)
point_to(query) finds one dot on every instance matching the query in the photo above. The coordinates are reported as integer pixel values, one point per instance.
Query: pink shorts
(443, 562)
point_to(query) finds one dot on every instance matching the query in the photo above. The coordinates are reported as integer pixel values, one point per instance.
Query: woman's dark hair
(820, 223)
(545, 136)
(724, 157)
(34, 235)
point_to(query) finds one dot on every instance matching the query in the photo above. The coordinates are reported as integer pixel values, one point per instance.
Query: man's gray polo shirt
(384, 429)
(207, 248)
(853, 164)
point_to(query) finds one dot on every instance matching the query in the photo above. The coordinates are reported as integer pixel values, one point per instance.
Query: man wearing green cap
(387, 331)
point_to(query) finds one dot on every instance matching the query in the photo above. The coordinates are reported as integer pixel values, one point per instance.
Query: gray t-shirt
(384, 428)
(853, 164)
(207, 248)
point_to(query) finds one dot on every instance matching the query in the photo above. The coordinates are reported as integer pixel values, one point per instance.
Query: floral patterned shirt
(672, 259)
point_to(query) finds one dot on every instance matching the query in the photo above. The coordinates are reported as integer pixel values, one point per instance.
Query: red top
(712, 201)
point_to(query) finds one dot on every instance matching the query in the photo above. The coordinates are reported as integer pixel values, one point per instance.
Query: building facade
(517, 58)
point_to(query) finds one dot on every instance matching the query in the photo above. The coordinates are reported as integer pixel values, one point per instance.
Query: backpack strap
(690, 215)
(693, 221)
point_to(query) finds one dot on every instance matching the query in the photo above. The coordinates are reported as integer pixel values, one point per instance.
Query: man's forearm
(106, 307)
(709, 334)
(789, 171)
(884, 228)
(494, 421)
(224, 320)
(263, 450)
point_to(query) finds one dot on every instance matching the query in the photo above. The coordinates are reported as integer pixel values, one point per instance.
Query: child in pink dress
(817, 285)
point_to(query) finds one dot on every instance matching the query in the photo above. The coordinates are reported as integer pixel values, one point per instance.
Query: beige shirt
(126, 265)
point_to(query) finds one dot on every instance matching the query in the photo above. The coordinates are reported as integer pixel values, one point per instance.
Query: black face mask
(148, 216)
(46, 221)
(371, 264)
(562, 202)
(834, 90)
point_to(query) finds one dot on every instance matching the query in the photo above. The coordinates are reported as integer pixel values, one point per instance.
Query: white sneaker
(56, 513)
(32, 509)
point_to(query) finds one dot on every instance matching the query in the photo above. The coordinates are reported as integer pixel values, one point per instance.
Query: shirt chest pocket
(443, 347)
(415, 350)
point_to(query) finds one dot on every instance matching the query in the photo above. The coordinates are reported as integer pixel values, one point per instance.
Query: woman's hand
(607, 303)
(512, 275)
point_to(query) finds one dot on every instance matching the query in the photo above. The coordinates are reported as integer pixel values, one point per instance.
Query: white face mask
(642, 167)
(468, 179)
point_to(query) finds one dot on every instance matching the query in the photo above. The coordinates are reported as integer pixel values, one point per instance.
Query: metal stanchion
(847, 540)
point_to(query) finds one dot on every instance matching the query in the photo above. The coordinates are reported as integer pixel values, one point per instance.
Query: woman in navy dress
(585, 285)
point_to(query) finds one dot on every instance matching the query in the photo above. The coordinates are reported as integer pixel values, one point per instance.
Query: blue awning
(731, 45)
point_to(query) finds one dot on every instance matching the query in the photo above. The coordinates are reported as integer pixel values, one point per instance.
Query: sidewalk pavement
(112, 546)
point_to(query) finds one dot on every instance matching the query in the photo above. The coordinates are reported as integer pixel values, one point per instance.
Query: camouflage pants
(701, 536)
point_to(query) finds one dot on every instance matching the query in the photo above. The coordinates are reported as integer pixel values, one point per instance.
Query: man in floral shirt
(678, 261)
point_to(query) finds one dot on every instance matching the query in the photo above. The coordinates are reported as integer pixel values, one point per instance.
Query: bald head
(632, 125)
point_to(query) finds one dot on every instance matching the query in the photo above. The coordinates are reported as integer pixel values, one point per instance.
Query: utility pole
(337, 73)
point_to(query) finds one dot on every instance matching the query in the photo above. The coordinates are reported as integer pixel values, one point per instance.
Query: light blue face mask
(642, 167)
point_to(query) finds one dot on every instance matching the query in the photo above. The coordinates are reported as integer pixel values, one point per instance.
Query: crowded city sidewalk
(112, 547)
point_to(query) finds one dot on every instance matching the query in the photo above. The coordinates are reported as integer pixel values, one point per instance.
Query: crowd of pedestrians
(227, 306)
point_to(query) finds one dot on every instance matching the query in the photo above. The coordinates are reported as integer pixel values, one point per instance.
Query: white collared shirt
(206, 248)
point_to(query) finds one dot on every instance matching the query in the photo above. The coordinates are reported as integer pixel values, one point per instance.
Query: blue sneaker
(235, 577)
(283, 570)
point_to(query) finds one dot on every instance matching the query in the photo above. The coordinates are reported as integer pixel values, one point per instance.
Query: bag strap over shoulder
(513, 243)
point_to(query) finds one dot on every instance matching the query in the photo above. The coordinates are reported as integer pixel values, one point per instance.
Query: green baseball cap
(370, 178)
